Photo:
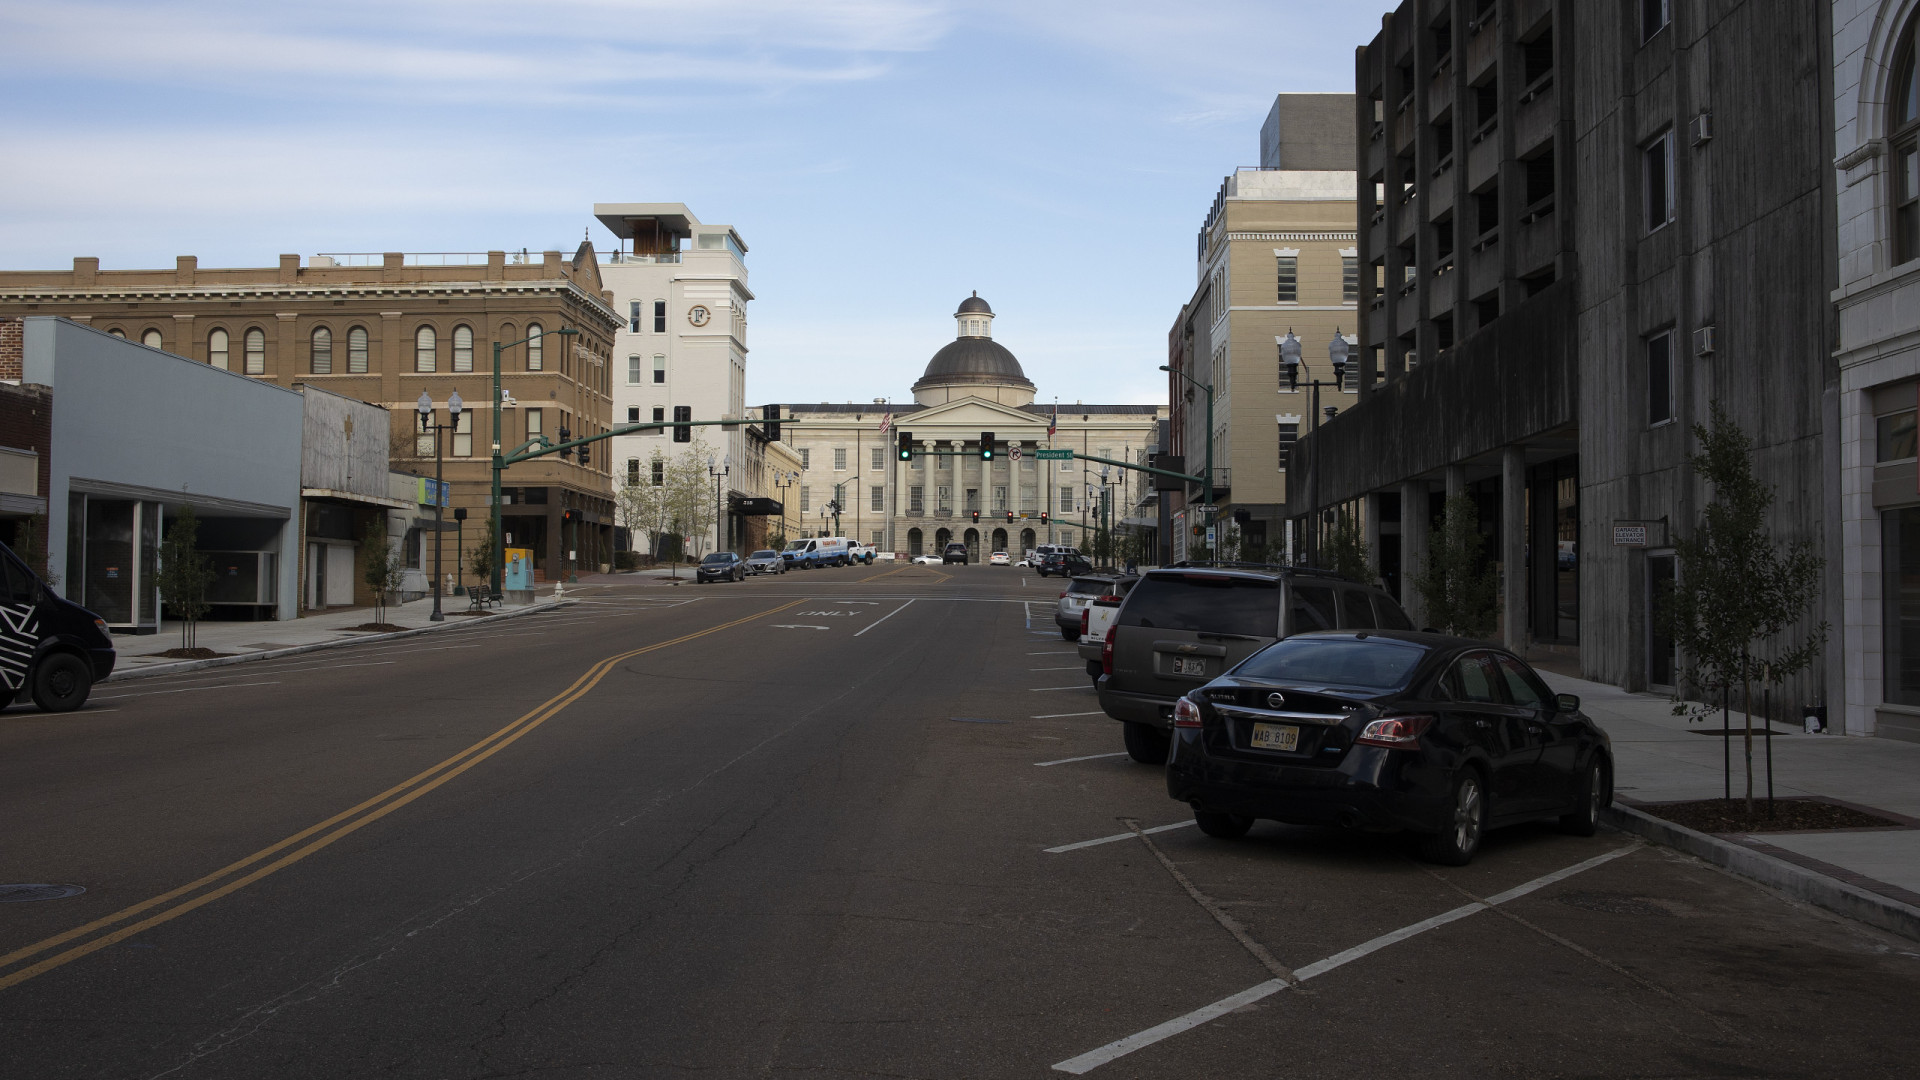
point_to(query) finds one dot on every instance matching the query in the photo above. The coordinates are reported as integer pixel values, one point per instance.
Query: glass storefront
(1900, 550)
(113, 548)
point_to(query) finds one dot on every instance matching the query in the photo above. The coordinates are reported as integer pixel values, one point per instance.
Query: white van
(815, 552)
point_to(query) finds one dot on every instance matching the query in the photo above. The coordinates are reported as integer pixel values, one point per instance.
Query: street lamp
(499, 553)
(725, 468)
(838, 506)
(425, 405)
(1337, 353)
(1209, 473)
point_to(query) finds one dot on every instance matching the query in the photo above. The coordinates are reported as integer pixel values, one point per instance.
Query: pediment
(972, 412)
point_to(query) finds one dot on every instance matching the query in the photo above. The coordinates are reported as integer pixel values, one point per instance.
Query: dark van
(1184, 626)
(51, 649)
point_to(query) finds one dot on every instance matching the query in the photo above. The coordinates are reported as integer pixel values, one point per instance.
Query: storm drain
(22, 894)
(976, 720)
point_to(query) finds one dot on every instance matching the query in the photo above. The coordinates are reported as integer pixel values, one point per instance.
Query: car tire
(61, 683)
(1466, 823)
(1584, 820)
(1222, 826)
(1069, 635)
(1146, 744)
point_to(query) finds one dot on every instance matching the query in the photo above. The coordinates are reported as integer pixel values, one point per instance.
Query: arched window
(256, 340)
(119, 333)
(1903, 133)
(217, 349)
(463, 348)
(536, 349)
(322, 351)
(423, 349)
(357, 351)
(151, 339)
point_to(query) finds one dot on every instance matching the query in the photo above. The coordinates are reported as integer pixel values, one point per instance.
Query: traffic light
(565, 435)
(770, 422)
(976, 517)
(682, 414)
(1043, 517)
(583, 454)
(1009, 517)
(1199, 530)
(906, 446)
(986, 446)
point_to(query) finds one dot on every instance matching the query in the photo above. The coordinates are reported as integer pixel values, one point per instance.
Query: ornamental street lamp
(724, 468)
(425, 405)
(1337, 353)
(499, 553)
(1209, 474)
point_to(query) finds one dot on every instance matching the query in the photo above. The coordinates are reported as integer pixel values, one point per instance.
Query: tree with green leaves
(1345, 551)
(1457, 584)
(1739, 591)
(381, 566)
(480, 560)
(27, 546)
(185, 574)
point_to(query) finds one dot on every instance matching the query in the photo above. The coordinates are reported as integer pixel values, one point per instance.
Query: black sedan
(1438, 736)
(720, 566)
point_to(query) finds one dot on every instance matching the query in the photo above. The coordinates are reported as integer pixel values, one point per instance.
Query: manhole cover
(976, 720)
(1614, 903)
(21, 894)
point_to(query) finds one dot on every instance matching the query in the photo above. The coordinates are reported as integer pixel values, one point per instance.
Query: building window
(1900, 553)
(633, 370)
(839, 459)
(659, 316)
(1066, 498)
(536, 423)
(879, 458)
(633, 316)
(1654, 17)
(879, 537)
(322, 351)
(1657, 178)
(659, 370)
(944, 502)
(1349, 279)
(806, 459)
(633, 463)
(463, 434)
(357, 351)
(424, 349)
(1904, 133)
(1895, 437)
(463, 348)
(536, 348)
(633, 414)
(916, 500)
(119, 333)
(659, 414)
(659, 474)
(806, 498)
(217, 349)
(1288, 276)
(425, 443)
(879, 497)
(151, 339)
(1289, 434)
(1660, 378)
(683, 414)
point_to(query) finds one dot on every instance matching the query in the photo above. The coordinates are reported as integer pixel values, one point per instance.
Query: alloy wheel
(1466, 815)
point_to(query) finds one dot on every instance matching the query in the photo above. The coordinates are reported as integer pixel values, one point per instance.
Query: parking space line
(1093, 1059)
(1052, 654)
(183, 690)
(1063, 848)
(883, 618)
(1075, 686)
(1058, 715)
(1071, 760)
(1069, 667)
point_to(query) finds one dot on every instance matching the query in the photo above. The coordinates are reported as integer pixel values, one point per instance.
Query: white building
(1877, 140)
(683, 353)
(971, 386)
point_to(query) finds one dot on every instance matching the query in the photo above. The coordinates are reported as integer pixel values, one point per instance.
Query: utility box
(516, 579)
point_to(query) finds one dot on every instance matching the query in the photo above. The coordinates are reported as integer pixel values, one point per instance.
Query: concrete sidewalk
(1661, 758)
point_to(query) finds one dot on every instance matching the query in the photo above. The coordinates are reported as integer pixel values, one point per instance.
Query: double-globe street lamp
(425, 405)
(1337, 352)
(1209, 473)
(723, 469)
(499, 553)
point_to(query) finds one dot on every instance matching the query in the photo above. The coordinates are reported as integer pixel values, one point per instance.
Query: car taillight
(1085, 614)
(1395, 732)
(1063, 596)
(1106, 650)
(1186, 714)
(1104, 599)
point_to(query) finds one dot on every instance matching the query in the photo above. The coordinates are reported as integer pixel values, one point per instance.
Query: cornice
(280, 291)
(1321, 236)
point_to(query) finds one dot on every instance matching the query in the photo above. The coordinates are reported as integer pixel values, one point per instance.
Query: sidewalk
(139, 653)
(1659, 757)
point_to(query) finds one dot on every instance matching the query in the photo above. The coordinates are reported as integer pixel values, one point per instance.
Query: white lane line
(1069, 667)
(869, 603)
(1112, 839)
(1075, 686)
(1058, 715)
(800, 626)
(1071, 760)
(1052, 654)
(1093, 1059)
(883, 618)
(183, 690)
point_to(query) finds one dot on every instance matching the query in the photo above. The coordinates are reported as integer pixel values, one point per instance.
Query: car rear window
(1086, 586)
(1364, 664)
(1212, 603)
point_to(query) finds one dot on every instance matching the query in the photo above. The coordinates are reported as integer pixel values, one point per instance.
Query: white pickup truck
(1096, 619)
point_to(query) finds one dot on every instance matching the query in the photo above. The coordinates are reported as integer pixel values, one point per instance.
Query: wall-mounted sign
(1630, 534)
(428, 488)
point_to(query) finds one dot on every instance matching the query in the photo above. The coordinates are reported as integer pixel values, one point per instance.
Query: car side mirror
(1567, 703)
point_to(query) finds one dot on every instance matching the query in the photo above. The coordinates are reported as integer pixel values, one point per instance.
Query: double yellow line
(315, 837)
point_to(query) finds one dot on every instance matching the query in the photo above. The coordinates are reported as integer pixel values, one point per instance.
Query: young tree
(1346, 553)
(185, 574)
(381, 566)
(1738, 589)
(1460, 590)
(689, 490)
(480, 560)
(31, 551)
(642, 504)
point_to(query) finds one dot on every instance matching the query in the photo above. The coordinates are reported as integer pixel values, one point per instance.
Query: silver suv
(1184, 626)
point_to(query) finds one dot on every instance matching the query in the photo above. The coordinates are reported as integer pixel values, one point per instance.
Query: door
(339, 579)
(1478, 690)
(1556, 745)
(1661, 576)
(316, 576)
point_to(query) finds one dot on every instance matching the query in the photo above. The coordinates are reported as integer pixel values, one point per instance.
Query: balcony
(629, 258)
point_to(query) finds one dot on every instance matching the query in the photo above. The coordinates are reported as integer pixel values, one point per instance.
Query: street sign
(1204, 508)
(1014, 452)
(1054, 455)
(1209, 536)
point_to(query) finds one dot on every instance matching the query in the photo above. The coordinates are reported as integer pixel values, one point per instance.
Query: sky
(881, 158)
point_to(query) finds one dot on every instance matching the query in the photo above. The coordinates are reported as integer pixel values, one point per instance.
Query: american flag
(1053, 425)
(886, 422)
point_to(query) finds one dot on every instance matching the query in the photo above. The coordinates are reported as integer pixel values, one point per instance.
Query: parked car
(57, 648)
(1080, 591)
(928, 560)
(1439, 736)
(1184, 625)
(858, 552)
(1064, 563)
(1095, 619)
(955, 552)
(765, 561)
(999, 558)
(720, 566)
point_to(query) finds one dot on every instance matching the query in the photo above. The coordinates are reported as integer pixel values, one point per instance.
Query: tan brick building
(384, 329)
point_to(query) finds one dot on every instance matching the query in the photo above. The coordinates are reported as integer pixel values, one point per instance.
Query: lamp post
(724, 468)
(425, 405)
(1337, 352)
(838, 504)
(499, 553)
(1209, 474)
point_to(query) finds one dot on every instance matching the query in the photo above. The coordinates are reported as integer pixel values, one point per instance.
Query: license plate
(1276, 737)
(1189, 665)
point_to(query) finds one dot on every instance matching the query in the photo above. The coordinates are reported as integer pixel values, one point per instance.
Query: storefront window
(1900, 549)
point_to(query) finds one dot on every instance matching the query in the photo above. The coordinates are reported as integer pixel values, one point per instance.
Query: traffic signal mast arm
(1140, 468)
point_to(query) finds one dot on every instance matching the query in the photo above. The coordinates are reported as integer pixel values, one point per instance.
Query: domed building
(972, 385)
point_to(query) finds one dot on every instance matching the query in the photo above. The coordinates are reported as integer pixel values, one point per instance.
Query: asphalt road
(812, 826)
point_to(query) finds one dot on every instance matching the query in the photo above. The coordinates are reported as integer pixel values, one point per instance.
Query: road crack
(1212, 907)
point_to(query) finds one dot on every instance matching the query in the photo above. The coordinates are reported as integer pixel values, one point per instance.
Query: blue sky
(882, 158)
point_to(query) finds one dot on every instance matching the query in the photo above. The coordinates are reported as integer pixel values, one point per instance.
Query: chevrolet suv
(1183, 626)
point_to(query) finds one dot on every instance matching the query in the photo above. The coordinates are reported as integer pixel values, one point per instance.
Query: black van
(51, 649)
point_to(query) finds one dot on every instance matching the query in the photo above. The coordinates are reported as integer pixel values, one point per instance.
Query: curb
(293, 650)
(1798, 882)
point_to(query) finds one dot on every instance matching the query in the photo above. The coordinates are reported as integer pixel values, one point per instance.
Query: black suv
(1187, 624)
(1063, 563)
(955, 552)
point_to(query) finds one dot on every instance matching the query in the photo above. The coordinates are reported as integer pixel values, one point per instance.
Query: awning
(350, 496)
(754, 506)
